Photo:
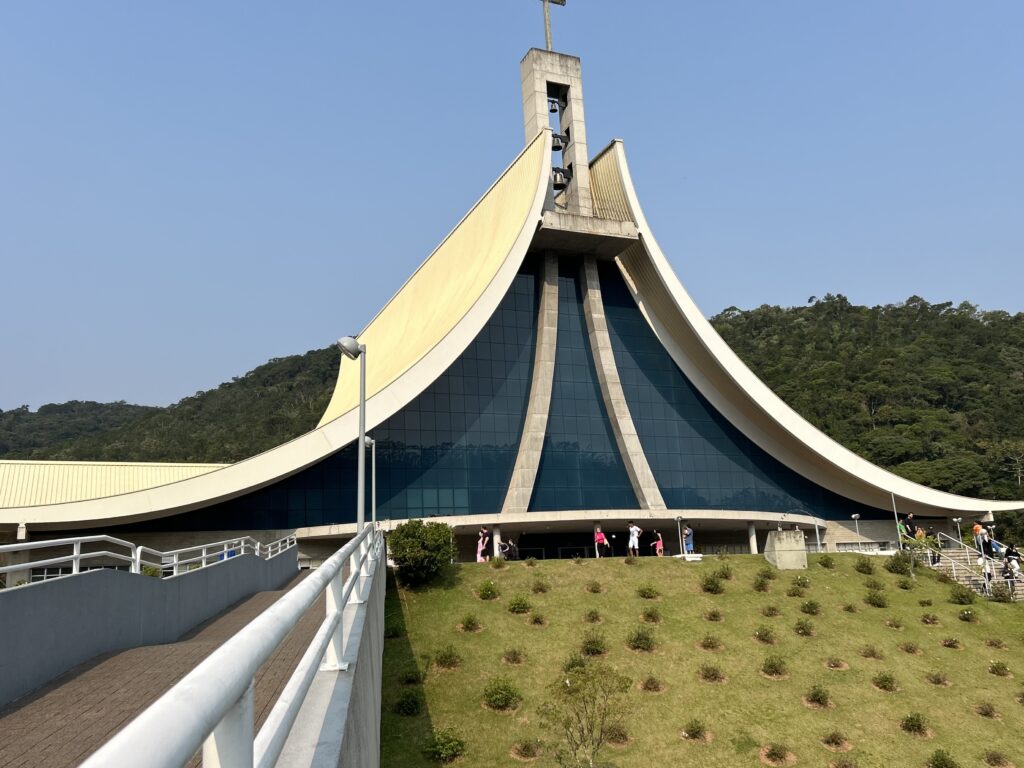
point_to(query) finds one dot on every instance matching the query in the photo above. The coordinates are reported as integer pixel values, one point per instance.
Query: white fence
(212, 707)
(136, 557)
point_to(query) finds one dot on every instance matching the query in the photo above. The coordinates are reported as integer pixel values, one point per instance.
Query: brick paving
(64, 722)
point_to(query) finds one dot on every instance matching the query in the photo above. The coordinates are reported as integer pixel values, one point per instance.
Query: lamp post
(373, 480)
(959, 536)
(353, 350)
(856, 523)
(679, 533)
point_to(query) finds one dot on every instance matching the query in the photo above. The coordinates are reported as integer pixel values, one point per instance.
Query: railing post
(174, 569)
(230, 744)
(137, 560)
(77, 553)
(336, 647)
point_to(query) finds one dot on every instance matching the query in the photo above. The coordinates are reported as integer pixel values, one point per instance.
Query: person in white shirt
(634, 539)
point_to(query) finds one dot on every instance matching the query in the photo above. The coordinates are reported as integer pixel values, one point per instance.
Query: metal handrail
(137, 554)
(212, 706)
(988, 561)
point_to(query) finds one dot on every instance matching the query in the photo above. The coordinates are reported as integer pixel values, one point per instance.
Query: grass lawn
(745, 712)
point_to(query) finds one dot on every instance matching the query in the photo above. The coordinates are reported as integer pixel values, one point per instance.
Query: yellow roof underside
(446, 285)
(31, 483)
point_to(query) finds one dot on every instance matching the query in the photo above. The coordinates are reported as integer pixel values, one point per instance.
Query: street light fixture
(373, 480)
(959, 535)
(856, 522)
(679, 533)
(353, 350)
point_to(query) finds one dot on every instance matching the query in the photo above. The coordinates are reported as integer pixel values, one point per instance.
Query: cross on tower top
(547, 19)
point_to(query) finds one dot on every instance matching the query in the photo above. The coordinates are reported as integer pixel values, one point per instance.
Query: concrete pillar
(496, 540)
(16, 558)
(752, 536)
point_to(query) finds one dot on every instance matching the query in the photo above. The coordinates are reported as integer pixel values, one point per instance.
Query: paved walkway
(63, 723)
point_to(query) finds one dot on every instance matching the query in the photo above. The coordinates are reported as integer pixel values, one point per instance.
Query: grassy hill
(745, 712)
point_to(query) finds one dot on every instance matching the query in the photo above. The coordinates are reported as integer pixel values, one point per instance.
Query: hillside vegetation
(888, 663)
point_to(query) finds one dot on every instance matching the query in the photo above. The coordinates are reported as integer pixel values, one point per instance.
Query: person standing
(634, 539)
(977, 531)
(481, 546)
(658, 543)
(601, 541)
(688, 538)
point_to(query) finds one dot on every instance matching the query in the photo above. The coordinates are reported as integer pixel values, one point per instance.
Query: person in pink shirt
(600, 540)
(658, 543)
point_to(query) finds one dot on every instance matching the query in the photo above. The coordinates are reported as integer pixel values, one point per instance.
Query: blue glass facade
(699, 459)
(580, 465)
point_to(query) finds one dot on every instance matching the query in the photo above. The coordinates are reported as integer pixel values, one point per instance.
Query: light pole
(353, 350)
(679, 533)
(856, 522)
(959, 536)
(373, 480)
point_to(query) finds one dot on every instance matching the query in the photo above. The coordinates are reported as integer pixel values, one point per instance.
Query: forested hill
(273, 403)
(932, 391)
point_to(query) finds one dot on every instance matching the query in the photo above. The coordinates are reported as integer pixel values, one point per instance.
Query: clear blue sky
(188, 189)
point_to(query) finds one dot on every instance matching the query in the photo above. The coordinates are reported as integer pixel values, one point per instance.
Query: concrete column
(524, 473)
(639, 471)
(496, 540)
(752, 536)
(16, 558)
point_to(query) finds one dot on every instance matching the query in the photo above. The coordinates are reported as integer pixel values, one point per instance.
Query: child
(658, 544)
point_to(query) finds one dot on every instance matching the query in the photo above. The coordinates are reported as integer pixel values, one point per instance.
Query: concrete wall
(51, 626)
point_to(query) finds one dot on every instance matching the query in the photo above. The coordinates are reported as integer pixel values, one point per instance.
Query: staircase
(961, 565)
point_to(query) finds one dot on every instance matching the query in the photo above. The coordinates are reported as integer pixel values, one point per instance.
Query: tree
(584, 707)
(421, 550)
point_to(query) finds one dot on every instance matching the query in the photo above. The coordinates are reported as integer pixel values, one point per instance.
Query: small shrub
(497, 563)
(470, 623)
(924, 603)
(911, 648)
(651, 684)
(513, 656)
(695, 730)
(776, 752)
(711, 584)
(995, 758)
(864, 565)
(936, 678)
(445, 745)
(834, 662)
(774, 666)
(761, 584)
(942, 759)
(410, 703)
(995, 642)
(795, 591)
(876, 599)
(1020, 698)
(593, 587)
(950, 642)
(592, 616)
(420, 550)
(1001, 594)
(930, 619)
(713, 615)
(961, 595)
(647, 592)
(804, 582)
(594, 643)
(631, 560)
(527, 749)
(944, 578)
(577, 560)
(411, 677)
(710, 673)
(804, 628)
(968, 616)
(537, 619)
(827, 562)
(819, 696)
(519, 605)
(723, 572)
(500, 693)
(871, 652)
(850, 608)
(915, 723)
(710, 643)
(900, 563)
(616, 733)
(488, 590)
(640, 639)
(843, 761)
(905, 584)
(768, 572)
(765, 635)
(884, 681)
(651, 615)
(530, 562)
(447, 657)
(874, 585)
(770, 611)
(987, 709)
(835, 739)
(810, 607)
(999, 669)
(894, 622)
(540, 587)
(575, 661)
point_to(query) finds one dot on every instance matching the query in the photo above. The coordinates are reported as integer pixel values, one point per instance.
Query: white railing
(212, 706)
(137, 557)
(986, 574)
